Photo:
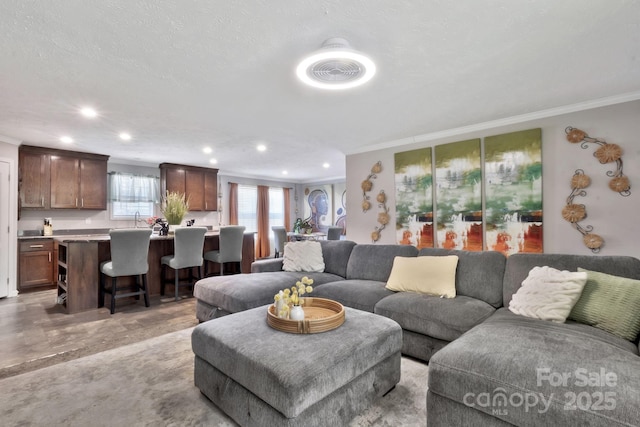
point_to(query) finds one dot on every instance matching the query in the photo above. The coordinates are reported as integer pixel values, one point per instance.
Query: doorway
(5, 215)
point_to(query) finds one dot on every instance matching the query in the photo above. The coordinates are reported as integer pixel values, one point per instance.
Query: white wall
(613, 217)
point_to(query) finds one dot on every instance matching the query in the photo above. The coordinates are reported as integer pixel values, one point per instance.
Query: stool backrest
(279, 237)
(188, 245)
(231, 237)
(130, 251)
(334, 233)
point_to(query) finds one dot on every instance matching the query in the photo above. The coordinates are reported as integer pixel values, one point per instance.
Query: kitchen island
(79, 256)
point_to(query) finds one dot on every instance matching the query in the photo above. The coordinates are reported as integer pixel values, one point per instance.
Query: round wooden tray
(320, 315)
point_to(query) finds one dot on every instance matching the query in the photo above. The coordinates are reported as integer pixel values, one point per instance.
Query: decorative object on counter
(302, 226)
(606, 153)
(191, 222)
(174, 207)
(383, 216)
(367, 185)
(288, 302)
(47, 228)
(164, 229)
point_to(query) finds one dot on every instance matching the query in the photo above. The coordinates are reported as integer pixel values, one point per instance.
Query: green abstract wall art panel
(458, 185)
(513, 192)
(414, 198)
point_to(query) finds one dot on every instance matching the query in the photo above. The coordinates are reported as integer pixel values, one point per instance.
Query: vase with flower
(288, 302)
(174, 207)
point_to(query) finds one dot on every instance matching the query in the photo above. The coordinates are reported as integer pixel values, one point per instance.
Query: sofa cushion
(336, 255)
(303, 256)
(442, 318)
(424, 275)
(374, 262)
(479, 274)
(241, 292)
(519, 265)
(611, 303)
(548, 294)
(360, 294)
(524, 370)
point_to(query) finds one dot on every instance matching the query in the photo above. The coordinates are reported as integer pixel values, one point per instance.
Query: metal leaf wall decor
(574, 212)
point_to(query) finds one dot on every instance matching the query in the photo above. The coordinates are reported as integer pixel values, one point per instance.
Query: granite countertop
(87, 235)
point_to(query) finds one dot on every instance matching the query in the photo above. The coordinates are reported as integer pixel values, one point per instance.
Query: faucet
(136, 218)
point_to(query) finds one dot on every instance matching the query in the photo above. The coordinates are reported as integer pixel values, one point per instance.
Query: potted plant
(174, 207)
(302, 226)
(306, 226)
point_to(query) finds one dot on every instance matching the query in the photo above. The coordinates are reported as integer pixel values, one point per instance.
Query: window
(130, 193)
(247, 206)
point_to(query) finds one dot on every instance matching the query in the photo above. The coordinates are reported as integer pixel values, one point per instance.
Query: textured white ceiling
(184, 75)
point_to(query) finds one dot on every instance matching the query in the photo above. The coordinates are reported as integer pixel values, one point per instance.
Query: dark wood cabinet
(33, 178)
(36, 264)
(93, 184)
(211, 191)
(200, 185)
(59, 179)
(65, 177)
(78, 275)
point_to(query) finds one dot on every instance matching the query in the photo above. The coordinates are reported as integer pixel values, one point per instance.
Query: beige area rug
(150, 383)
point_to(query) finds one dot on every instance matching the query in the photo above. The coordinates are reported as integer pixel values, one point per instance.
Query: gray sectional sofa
(484, 361)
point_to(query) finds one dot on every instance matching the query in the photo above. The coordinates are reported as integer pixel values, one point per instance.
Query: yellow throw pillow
(431, 275)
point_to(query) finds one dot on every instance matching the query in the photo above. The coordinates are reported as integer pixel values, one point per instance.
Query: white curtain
(129, 188)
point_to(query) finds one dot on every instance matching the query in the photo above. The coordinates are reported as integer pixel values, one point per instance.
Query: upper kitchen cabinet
(200, 185)
(71, 180)
(33, 178)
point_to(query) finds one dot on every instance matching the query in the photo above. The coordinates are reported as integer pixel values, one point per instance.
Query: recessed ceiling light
(326, 165)
(66, 139)
(261, 147)
(125, 136)
(207, 150)
(88, 112)
(285, 173)
(213, 161)
(336, 66)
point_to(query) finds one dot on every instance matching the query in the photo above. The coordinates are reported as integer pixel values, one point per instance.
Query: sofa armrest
(264, 265)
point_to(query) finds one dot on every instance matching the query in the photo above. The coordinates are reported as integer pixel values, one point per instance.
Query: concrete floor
(35, 332)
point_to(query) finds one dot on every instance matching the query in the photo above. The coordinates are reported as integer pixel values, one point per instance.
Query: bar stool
(279, 239)
(231, 238)
(334, 233)
(188, 243)
(129, 254)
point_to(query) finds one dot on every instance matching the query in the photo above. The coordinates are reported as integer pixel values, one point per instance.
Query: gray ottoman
(260, 376)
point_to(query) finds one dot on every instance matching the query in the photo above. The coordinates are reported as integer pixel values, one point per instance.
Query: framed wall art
(513, 189)
(414, 197)
(458, 187)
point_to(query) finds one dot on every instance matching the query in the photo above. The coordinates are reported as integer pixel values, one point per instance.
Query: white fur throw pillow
(548, 294)
(303, 256)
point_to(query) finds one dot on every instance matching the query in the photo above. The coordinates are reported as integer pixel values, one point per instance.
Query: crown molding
(551, 112)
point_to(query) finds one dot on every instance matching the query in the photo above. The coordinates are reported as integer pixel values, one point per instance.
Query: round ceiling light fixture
(336, 66)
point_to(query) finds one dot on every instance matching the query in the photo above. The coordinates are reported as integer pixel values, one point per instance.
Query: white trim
(13, 227)
(551, 112)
